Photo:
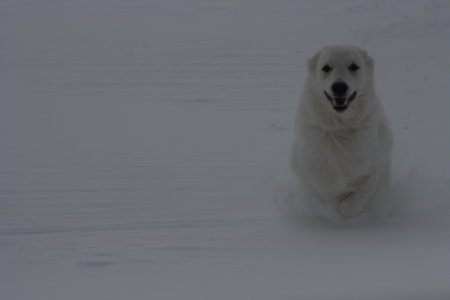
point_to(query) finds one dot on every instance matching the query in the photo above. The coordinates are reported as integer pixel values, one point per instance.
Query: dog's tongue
(340, 101)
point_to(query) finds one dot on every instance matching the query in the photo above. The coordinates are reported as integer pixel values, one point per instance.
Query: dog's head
(340, 74)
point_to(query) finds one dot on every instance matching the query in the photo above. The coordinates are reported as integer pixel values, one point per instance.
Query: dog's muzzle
(340, 104)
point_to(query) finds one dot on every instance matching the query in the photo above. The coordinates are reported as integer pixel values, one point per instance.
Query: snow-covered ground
(143, 145)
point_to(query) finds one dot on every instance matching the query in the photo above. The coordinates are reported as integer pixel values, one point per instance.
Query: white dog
(343, 142)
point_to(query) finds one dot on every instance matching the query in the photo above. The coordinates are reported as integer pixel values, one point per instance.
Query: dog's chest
(336, 157)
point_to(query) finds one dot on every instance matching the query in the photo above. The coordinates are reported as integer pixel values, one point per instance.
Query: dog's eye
(353, 67)
(327, 69)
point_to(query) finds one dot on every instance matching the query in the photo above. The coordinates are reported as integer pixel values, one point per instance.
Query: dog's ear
(312, 62)
(367, 59)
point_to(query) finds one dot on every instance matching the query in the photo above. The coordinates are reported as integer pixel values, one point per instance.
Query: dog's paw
(353, 205)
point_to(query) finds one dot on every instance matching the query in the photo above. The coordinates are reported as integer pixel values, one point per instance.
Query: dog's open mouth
(340, 104)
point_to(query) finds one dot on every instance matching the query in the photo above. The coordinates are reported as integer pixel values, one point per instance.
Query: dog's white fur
(341, 157)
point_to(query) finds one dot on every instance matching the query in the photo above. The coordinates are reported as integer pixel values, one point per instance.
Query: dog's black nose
(339, 89)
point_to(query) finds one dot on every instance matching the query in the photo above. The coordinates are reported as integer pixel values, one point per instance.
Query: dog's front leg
(355, 201)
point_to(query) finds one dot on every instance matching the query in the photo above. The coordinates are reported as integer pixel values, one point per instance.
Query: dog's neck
(333, 129)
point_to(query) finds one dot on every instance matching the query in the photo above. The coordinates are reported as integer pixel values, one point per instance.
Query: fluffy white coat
(341, 157)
